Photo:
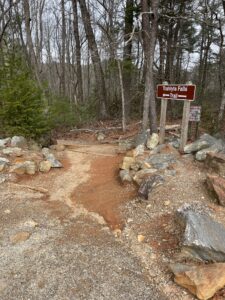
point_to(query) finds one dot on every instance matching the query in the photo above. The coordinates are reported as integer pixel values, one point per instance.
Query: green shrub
(62, 113)
(21, 102)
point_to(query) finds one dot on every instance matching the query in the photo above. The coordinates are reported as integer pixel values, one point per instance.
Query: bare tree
(29, 41)
(149, 34)
(99, 76)
(78, 52)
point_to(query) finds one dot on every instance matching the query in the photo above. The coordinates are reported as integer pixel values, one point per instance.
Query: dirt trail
(102, 193)
(88, 183)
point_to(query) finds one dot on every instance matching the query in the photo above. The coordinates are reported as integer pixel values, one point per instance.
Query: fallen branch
(174, 134)
(172, 127)
(37, 189)
(95, 130)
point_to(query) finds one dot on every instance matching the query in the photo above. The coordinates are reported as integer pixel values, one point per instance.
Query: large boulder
(161, 161)
(19, 141)
(203, 281)
(215, 162)
(216, 148)
(148, 184)
(216, 184)
(205, 141)
(204, 238)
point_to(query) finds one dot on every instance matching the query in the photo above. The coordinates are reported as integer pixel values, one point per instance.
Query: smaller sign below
(195, 113)
(176, 91)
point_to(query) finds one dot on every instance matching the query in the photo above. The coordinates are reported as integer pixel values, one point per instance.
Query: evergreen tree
(21, 102)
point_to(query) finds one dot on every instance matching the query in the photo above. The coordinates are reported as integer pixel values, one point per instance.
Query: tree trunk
(63, 51)
(78, 53)
(149, 42)
(99, 76)
(127, 56)
(30, 46)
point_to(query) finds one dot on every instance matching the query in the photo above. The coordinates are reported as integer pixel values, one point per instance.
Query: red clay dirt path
(103, 193)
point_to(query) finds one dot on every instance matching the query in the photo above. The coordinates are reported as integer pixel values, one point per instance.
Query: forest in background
(70, 62)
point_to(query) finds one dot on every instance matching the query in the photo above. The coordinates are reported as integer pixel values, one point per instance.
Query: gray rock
(125, 176)
(170, 173)
(101, 136)
(19, 141)
(161, 161)
(4, 160)
(148, 184)
(4, 142)
(54, 162)
(143, 174)
(14, 151)
(153, 141)
(204, 238)
(2, 166)
(18, 168)
(33, 146)
(158, 149)
(31, 167)
(142, 138)
(216, 148)
(205, 141)
(126, 145)
(45, 166)
(3, 178)
(175, 143)
(45, 151)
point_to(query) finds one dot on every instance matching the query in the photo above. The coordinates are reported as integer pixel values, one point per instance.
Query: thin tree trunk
(127, 56)
(31, 53)
(149, 42)
(99, 75)
(78, 52)
(122, 95)
(63, 51)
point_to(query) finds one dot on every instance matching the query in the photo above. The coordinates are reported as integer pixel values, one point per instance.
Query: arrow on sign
(166, 95)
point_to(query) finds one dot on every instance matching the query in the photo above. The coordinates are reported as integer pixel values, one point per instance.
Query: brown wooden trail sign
(184, 92)
(176, 91)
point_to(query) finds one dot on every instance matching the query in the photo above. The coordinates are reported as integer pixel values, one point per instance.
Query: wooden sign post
(194, 119)
(162, 127)
(184, 127)
(184, 92)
